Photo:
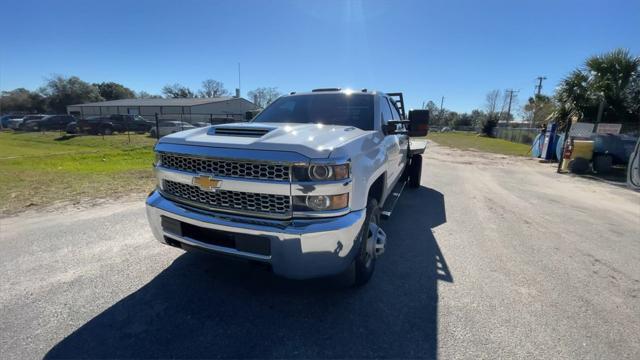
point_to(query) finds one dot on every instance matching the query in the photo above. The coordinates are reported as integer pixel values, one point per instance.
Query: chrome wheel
(375, 241)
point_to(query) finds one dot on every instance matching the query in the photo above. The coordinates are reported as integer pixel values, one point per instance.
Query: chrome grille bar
(225, 200)
(227, 168)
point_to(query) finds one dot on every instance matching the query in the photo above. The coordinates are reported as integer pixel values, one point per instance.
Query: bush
(488, 126)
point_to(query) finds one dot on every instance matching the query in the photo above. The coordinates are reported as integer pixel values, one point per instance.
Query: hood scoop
(241, 131)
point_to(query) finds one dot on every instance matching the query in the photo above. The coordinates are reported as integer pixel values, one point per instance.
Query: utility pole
(441, 103)
(239, 84)
(510, 92)
(538, 91)
(539, 86)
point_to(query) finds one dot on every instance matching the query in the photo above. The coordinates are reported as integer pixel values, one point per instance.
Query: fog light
(319, 202)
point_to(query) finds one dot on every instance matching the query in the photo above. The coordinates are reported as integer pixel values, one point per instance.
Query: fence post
(157, 128)
(211, 119)
(128, 134)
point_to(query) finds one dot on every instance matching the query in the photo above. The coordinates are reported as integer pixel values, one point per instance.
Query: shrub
(488, 126)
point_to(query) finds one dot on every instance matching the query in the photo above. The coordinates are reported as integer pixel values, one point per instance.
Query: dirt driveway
(494, 257)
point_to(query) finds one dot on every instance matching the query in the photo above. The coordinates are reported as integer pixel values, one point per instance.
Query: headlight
(158, 160)
(320, 202)
(321, 172)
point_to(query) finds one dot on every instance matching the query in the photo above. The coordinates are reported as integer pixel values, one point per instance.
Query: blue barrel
(559, 146)
(536, 147)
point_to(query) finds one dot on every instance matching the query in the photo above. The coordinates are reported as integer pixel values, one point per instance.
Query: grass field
(38, 169)
(471, 141)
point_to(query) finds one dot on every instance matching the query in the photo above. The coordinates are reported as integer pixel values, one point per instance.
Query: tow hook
(381, 241)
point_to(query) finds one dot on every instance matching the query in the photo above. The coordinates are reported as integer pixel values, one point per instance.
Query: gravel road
(494, 257)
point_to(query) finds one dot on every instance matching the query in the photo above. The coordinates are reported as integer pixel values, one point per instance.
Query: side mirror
(418, 123)
(389, 128)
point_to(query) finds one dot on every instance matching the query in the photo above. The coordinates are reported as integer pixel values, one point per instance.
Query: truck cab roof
(337, 91)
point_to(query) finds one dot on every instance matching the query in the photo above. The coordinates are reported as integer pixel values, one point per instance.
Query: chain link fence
(157, 125)
(519, 135)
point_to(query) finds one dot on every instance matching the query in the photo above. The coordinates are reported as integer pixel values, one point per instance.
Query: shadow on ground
(617, 176)
(66, 137)
(204, 307)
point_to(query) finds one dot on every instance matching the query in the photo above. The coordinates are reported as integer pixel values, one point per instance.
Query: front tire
(365, 261)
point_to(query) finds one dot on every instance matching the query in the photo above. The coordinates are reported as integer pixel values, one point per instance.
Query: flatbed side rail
(399, 100)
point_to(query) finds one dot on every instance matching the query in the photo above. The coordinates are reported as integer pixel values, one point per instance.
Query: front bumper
(299, 248)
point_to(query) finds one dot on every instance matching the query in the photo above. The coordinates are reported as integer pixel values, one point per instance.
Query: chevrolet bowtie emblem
(206, 183)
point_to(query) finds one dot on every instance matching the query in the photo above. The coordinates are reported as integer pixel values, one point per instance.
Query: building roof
(159, 102)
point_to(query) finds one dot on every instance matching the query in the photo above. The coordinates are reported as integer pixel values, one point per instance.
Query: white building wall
(235, 108)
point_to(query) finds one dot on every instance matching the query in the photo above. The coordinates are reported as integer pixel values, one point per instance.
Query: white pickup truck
(301, 188)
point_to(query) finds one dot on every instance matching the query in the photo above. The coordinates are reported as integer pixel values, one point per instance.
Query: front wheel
(369, 248)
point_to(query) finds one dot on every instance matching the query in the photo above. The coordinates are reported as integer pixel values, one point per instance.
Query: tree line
(58, 92)
(605, 88)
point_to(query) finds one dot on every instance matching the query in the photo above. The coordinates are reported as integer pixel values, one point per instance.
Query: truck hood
(310, 140)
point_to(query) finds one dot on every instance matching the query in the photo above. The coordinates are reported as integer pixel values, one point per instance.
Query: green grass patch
(471, 141)
(38, 169)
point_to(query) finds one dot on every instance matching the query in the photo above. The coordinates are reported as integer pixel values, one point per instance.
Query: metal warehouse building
(187, 109)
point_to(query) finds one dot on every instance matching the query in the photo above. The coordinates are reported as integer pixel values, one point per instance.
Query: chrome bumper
(299, 248)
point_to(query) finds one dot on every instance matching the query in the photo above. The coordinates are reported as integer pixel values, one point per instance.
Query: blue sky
(427, 49)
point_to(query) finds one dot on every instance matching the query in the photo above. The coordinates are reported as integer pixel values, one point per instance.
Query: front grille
(230, 200)
(229, 168)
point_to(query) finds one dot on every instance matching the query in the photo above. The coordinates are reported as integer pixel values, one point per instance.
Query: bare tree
(145, 95)
(493, 97)
(212, 88)
(177, 91)
(264, 96)
(504, 113)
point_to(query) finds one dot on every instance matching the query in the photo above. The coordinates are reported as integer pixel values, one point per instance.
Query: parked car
(200, 124)
(72, 128)
(109, 124)
(49, 122)
(16, 124)
(301, 188)
(4, 120)
(170, 127)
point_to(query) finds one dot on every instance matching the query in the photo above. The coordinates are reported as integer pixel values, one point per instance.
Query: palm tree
(603, 81)
(574, 95)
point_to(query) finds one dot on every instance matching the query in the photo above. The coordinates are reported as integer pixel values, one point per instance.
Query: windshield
(333, 109)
